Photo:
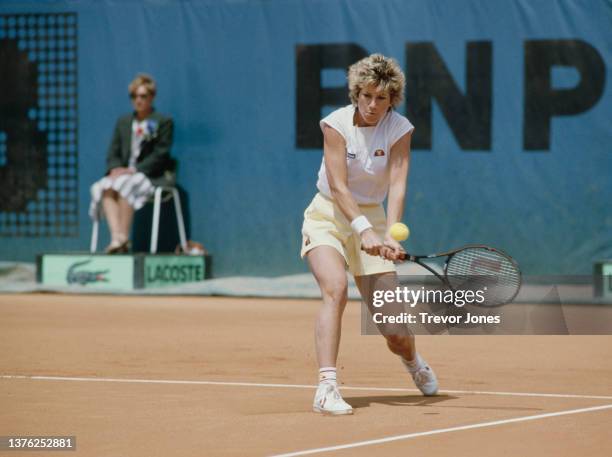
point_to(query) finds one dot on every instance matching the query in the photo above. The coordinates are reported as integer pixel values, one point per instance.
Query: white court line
(442, 430)
(295, 386)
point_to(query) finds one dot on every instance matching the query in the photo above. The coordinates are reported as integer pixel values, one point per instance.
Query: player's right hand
(392, 250)
(371, 242)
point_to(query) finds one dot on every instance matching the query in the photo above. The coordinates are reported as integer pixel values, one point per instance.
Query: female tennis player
(366, 159)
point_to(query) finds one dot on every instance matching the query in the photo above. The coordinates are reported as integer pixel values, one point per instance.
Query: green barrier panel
(173, 270)
(602, 275)
(120, 272)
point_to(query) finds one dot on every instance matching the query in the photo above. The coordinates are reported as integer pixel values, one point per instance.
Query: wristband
(360, 223)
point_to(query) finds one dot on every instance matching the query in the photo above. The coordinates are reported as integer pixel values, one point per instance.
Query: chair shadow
(397, 400)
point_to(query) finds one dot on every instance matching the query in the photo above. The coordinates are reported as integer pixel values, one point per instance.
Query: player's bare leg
(399, 339)
(327, 266)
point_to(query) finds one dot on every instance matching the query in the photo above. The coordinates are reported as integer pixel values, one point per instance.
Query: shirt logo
(350, 155)
(379, 153)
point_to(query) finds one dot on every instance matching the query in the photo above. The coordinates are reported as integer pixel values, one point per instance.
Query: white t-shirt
(139, 128)
(367, 153)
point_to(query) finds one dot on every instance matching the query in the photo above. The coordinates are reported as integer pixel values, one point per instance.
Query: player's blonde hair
(380, 71)
(143, 79)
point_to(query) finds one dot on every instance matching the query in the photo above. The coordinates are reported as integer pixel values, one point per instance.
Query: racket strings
(485, 270)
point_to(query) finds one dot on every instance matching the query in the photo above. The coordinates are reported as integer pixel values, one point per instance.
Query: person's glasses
(133, 96)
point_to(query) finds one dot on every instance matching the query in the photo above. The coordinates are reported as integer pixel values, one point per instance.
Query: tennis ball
(399, 231)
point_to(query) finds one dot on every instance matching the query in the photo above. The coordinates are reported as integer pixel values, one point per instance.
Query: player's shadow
(397, 400)
(420, 400)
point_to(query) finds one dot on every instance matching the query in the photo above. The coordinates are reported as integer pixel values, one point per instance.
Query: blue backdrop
(226, 72)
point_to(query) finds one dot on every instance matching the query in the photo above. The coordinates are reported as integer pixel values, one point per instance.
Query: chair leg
(179, 219)
(93, 246)
(156, 211)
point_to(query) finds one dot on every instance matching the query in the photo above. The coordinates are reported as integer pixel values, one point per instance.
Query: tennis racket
(476, 267)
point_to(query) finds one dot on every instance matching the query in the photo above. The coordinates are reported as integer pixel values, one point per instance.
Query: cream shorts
(326, 225)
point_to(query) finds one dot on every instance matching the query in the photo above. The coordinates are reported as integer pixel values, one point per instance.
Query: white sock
(327, 375)
(413, 365)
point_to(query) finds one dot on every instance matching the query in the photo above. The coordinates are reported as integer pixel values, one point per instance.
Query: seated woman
(138, 159)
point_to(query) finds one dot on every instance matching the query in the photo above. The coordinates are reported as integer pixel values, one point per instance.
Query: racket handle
(405, 256)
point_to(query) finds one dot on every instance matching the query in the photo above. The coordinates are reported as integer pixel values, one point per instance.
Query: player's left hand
(391, 249)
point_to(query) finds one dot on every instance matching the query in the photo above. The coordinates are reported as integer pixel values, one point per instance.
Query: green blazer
(154, 159)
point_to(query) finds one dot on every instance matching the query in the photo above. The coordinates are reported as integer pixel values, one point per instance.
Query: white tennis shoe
(424, 378)
(329, 401)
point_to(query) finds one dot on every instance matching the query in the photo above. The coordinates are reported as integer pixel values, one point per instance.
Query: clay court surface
(176, 376)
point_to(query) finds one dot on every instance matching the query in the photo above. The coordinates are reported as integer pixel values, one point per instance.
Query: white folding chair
(157, 200)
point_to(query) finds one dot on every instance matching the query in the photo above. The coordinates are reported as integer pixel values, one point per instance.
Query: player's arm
(334, 149)
(399, 164)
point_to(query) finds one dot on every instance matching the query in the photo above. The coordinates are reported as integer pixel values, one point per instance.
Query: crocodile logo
(84, 277)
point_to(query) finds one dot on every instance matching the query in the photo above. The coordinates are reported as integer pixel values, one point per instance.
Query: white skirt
(135, 188)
